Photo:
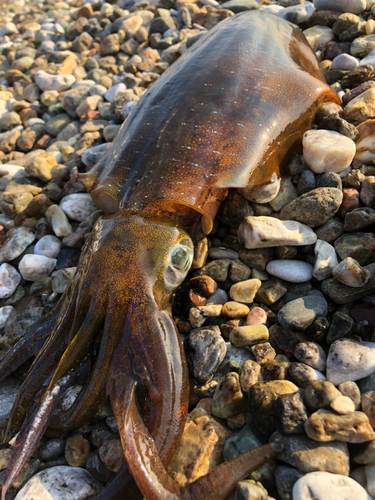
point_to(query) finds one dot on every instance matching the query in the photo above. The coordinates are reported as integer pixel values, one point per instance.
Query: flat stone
(323, 485)
(301, 313)
(350, 360)
(60, 483)
(248, 335)
(308, 455)
(294, 271)
(313, 208)
(324, 426)
(261, 232)
(327, 151)
(342, 294)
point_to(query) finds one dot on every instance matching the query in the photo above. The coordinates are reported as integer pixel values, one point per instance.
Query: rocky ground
(278, 313)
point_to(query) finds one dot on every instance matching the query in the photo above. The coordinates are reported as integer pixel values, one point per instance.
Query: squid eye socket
(180, 258)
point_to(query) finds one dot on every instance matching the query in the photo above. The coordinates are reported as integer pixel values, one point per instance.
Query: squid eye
(180, 258)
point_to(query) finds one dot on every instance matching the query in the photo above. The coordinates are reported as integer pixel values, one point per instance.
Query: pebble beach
(277, 314)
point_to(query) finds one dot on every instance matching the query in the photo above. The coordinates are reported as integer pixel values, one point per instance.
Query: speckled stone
(351, 390)
(262, 394)
(308, 455)
(320, 394)
(291, 413)
(311, 354)
(302, 374)
(323, 485)
(285, 478)
(250, 374)
(350, 360)
(301, 313)
(325, 426)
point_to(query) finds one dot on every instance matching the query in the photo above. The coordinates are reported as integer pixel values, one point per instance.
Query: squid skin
(226, 115)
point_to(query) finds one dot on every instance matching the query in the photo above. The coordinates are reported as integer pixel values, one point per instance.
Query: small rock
(301, 313)
(34, 267)
(16, 242)
(49, 246)
(320, 394)
(322, 485)
(245, 291)
(302, 374)
(59, 221)
(294, 271)
(261, 232)
(311, 354)
(325, 425)
(9, 280)
(8, 392)
(59, 83)
(362, 107)
(228, 398)
(77, 451)
(248, 335)
(325, 261)
(62, 278)
(62, 483)
(78, 206)
(327, 151)
(359, 246)
(343, 405)
(351, 390)
(234, 310)
(263, 394)
(350, 360)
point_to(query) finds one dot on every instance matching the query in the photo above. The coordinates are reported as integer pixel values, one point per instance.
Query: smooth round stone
(49, 246)
(114, 91)
(35, 267)
(248, 335)
(327, 151)
(344, 62)
(234, 309)
(245, 291)
(324, 425)
(264, 232)
(92, 155)
(298, 13)
(62, 278)
(320, 394)
(295, 271)
(59, 221)
(324, 485)
(256, 316)
(362, 107)
(351, 390)
(318, 35)
(350, 273)
(343, 405)
(9, 280)
(311, 354)
(5, 313)
(264, 194)
(350, 360)
(60, 483)
(325, 261)
(220, 296)
(78, 206)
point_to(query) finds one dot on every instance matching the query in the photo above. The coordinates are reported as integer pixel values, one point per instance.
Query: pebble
(308, 455)
(48, 82)
(344, 62)
(8, 392)
(325, 425)
(245, 291)
(263, 393)
(327, 151)
(361, 108)
(264, 232)
(302, 374)
(62, 278)
(325, 260)
(343, 405)
(78, 206)
(35, 267)
(17, 240)
(59, 221)
(323, 485)
(350, 360)
(300, 313)
(49, 246)
(248, 335)
(92, 155)
(318, 35)
(9, 280)
(350, 273)
(60, 483)
(311, 354)
(294, 271)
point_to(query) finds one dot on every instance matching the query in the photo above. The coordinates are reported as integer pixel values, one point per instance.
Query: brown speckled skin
(225, 115)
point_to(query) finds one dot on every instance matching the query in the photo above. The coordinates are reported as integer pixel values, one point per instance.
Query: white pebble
(353, 6)
(350, 360)
(60, 483)
(53, 82)
(327, 151)
(49, 246)
(369, 59)
(35, 267)
(342, 405)
(114, 91)
(78, 206)
(97, 90)
(318, 35)
(295, 271)
(9, 280)
(326, 260)
(264, 232)
(5, 312)
(344, 62)
(8, 29)
(326, 486)
(59, 221)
